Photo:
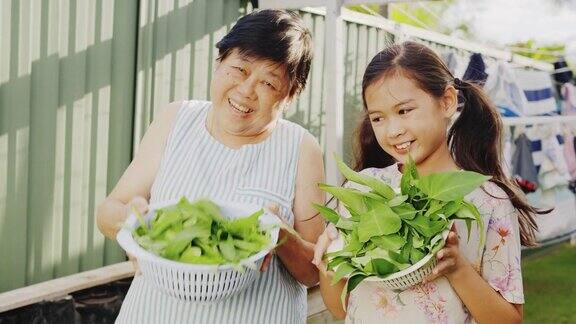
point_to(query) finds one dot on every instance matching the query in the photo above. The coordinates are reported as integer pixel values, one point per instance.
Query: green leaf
(354, 281)
(328, 213)
(228, 250)
(416, 255)
(426, 227)
(452, 207)
(342, 270)
(391, 242)
(405, 211)
(448, 186)
(244, 226)
(383, 267)
(346, 224)
(352, 198)
(409, 178)
(379, 221)
(375, 184)
(396, 201)
(469, 211)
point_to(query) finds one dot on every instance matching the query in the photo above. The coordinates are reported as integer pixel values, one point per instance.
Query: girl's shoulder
(388, 174)
(491, 199)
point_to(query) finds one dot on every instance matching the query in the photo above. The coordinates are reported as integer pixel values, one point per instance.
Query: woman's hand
(274, 209)
(137, 204)
(329, 236)
(450, 261)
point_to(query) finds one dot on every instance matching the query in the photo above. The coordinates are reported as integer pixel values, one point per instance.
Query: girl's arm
(330, 293)
(484, 303)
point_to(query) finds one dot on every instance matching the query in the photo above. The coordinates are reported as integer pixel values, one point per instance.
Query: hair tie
(458, 83)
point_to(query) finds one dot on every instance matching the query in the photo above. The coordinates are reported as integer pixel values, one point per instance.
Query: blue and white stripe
(198, 166)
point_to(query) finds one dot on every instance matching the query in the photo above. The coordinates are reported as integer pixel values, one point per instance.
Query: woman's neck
(234, 141)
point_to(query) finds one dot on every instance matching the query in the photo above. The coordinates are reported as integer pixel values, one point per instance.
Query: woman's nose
(247, 88)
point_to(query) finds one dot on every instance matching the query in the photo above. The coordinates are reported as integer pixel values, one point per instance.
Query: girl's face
(408, 120)
(248, 94)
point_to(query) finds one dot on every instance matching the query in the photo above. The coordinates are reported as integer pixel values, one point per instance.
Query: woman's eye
(376, 119)
(270, 85)
(240, 69)
(404, 111)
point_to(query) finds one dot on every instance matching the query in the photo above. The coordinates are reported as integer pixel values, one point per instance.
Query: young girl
(410, 98)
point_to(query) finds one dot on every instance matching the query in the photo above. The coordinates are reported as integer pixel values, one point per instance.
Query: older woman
(235, 148)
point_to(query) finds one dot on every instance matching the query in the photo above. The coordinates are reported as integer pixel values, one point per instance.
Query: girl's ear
(449, 101)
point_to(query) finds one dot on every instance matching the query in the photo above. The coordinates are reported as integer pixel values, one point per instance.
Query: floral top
(436, 302)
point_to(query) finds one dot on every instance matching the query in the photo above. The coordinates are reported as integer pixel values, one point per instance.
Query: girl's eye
(376, 119)
(404, 111)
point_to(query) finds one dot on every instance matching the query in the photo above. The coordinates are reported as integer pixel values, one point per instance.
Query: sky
(502, 22)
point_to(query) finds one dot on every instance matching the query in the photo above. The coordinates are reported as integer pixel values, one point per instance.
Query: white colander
(192, 282)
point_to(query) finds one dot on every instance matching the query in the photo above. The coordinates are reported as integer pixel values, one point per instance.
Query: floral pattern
(498, 262)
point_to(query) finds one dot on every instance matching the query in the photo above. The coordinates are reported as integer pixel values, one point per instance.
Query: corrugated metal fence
(79, 83)
(66, 111)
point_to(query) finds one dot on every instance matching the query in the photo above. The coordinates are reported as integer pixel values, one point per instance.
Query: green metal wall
(80, 81)
(66, 98)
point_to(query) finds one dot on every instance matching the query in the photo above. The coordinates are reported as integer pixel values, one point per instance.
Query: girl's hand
(450, 261)
(324, 241)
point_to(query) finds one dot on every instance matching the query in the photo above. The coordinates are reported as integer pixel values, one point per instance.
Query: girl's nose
(397, 131)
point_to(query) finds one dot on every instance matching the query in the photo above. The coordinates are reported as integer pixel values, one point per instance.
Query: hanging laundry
(502, 87)
(523, 166)
(563, 74)
(476, 70)
(537, 88)
(568, 92)
(570, 154)
(455, 62)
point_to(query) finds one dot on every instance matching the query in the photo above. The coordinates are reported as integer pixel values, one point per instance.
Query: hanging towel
(523, 166)
(537, 88)
(568, 99)
(564, 75)
(502, 87)
(570, 155)
(476, 71)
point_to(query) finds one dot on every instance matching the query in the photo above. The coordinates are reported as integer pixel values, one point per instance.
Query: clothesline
(512, 121)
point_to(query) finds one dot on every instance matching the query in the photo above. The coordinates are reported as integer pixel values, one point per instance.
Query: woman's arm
(297, 252)
(133, 188)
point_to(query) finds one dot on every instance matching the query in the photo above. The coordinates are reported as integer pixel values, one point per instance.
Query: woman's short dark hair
(276, 35)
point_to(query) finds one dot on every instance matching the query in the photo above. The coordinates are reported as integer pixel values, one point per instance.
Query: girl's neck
(439, 161)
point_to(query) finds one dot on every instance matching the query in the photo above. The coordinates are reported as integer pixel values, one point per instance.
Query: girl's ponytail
(475, 142)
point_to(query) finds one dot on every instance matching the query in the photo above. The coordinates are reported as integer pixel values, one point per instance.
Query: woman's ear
(449, 101)
(286, 106)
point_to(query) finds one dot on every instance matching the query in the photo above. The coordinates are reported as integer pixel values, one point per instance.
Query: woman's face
(248, 94)
(408, 120)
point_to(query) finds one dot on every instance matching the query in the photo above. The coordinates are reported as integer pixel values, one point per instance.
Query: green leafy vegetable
(198, 233)
(388, 231)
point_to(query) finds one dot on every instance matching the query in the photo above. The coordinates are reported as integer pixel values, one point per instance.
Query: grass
(550, 285)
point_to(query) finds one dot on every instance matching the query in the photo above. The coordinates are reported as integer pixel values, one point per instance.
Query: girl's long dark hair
(474, 139)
